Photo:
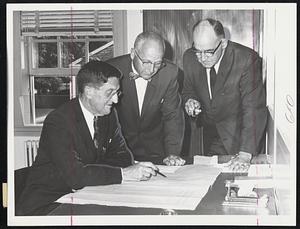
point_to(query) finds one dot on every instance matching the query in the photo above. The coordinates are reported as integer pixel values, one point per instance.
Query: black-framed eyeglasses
(207, 53)
(148, 63)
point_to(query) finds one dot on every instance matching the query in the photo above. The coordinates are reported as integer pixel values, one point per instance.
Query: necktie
(133, 76)
(96, 132)
(213, 77)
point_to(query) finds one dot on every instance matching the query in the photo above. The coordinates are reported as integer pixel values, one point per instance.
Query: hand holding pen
(140, 171)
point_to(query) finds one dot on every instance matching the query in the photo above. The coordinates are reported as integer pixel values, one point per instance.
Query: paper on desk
(260, 170)
(167, 169)
(182, 189)
(213, 160)
(205, 160)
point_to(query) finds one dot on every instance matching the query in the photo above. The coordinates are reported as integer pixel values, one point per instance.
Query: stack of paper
(183, 188)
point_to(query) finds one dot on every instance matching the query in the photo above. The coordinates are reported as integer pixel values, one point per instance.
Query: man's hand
(192, 107)
(139, 171)
(173, 160)
(240, 163)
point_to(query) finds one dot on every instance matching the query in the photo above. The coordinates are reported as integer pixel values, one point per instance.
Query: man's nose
(152, 68)
(202, 57)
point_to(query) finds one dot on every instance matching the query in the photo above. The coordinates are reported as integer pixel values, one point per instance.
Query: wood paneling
(175, 26)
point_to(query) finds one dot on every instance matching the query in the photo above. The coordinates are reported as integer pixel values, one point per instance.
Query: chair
(20, 181)
(30, 151)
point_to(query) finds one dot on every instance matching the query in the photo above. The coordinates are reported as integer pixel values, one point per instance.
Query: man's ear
(88, 91)
(224, 43)
(132, 53)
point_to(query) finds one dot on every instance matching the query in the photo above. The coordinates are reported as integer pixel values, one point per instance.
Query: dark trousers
(212, 143)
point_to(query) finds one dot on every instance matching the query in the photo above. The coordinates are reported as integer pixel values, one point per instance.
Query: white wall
(285, 76)
(134, 26)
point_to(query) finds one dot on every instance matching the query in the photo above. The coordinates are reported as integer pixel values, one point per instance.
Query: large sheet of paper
(183, 188)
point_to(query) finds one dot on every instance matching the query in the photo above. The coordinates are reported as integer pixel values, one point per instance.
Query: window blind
(77, 22)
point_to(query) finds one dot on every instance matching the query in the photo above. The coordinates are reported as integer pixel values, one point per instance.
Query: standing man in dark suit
(81, 144)
(150, 107)
(223, 87)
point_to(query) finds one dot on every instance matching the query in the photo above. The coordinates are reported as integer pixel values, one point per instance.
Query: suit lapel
(82, 128)
(130, 87)
(224, 69)
(150, 92)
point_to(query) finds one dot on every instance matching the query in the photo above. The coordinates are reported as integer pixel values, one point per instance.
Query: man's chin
(107, 109)
(147, 77)
(207, 65)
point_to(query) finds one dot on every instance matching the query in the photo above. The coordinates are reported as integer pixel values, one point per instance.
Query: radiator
(31, 148)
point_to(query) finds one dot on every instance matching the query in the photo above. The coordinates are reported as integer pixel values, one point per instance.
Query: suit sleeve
(118, 154)
(173, 118)
(254, 113)
(59, 142)
(188, 88)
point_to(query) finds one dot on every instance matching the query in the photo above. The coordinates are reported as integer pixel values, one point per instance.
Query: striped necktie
(96, 132)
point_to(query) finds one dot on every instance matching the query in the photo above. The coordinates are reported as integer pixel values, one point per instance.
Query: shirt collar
(87, 114)
(217, 65)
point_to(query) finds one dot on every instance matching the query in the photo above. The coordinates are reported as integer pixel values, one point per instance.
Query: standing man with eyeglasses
(150, 110)
(223, 88)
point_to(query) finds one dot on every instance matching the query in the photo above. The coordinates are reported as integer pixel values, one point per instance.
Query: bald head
(215, 25)
(209, 41)
(147, 54)
(149, 39)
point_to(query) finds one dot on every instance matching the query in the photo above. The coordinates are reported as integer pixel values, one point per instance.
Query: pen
(160, 173)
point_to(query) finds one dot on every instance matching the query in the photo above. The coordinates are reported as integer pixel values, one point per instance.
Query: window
(58, 43)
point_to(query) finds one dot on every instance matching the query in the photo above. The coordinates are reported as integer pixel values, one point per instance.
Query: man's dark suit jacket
(159, 130)
(238, 105)
(68, 160)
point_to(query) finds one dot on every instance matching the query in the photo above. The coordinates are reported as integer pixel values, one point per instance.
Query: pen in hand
(160, 173)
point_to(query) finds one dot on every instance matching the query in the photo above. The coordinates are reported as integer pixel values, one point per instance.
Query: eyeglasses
(207, 53)
(148, 63)
(111, 93)
(118, 93)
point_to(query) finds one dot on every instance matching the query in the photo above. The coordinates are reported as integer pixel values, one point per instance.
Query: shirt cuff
(122, 175)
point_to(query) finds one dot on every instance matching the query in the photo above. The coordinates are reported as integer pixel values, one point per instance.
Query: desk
(209, 205)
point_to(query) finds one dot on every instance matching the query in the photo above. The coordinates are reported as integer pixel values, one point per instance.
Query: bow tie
(133, 76)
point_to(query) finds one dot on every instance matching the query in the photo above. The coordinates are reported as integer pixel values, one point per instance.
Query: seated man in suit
(81, 144)
(150, 110)
(223, 87)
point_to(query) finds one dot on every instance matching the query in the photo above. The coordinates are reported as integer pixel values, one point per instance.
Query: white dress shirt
(216, 66)
(141, 86)
(89, 118)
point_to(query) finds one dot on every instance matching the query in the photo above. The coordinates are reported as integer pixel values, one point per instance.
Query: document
(206, 160)
(181, 189)
(167, 169)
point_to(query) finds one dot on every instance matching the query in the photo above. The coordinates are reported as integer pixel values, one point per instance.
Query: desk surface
(211, 204)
